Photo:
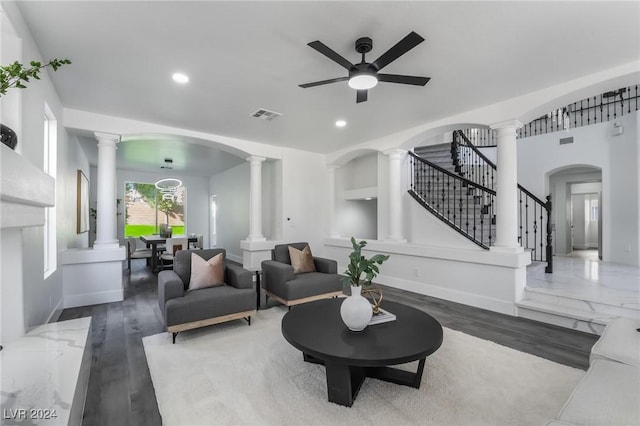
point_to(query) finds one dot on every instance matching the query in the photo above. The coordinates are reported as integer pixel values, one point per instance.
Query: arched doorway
(577, 194)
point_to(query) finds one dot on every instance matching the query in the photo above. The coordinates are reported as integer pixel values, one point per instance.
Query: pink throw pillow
(206, 273)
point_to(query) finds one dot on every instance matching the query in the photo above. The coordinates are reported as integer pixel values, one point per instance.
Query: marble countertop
(41, 373)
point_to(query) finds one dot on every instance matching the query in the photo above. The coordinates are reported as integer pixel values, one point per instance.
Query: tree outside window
(146, 210)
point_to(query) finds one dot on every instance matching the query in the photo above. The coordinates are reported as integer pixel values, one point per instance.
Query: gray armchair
(282, 284)
(184, 309)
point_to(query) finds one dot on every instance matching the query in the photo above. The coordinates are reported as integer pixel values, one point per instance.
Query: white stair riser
(571, 303)
(562, 321)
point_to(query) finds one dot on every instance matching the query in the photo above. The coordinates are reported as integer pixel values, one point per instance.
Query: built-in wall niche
(358, 219)
(357, 198)
(358, 179)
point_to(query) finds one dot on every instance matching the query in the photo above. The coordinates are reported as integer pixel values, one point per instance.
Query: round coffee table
(318, 331)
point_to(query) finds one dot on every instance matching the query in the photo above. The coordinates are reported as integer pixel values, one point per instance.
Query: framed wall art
(83, 203)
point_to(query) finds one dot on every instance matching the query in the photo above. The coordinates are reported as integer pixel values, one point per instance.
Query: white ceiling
(242, 56)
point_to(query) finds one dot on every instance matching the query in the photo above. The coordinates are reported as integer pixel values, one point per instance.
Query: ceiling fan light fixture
(363, 81)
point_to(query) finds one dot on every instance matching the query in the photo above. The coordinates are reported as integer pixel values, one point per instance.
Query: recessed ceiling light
(180, 78)
(341, 123)
(368, 198)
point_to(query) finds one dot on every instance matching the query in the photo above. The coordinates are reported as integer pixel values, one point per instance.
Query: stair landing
(582, 294)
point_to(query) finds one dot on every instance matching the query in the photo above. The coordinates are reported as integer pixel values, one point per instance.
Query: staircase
(462, 204)
(457, 183)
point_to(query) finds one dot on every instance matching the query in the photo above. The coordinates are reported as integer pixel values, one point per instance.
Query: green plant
(359, 265)
(16, 74)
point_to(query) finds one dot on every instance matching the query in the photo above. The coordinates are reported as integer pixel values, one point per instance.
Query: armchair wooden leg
(174, 337)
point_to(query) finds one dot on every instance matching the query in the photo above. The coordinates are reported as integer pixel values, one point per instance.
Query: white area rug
(232, 374)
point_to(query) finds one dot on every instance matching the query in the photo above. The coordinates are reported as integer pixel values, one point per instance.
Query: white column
(507, 188)
(106, 236)
(255, 200)
(331, 202)
(396, 156)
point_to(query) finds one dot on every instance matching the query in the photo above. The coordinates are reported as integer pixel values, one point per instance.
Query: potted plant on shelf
(356, 311)
(16, 75)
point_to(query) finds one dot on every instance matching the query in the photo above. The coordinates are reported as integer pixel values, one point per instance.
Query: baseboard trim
(87, 299)
(470, 299)
(55, 314)
(235, 258)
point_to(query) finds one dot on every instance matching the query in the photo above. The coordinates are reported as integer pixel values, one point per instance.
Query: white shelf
(360, 193)
(25, 190)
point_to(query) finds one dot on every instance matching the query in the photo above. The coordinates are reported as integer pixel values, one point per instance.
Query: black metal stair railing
(534, 215)
(592, 110)
(464, 205)
(471, 163)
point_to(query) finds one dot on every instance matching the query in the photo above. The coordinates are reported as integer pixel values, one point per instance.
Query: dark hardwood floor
(120, 388)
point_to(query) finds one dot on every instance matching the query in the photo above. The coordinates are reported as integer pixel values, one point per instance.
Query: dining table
(152, 241)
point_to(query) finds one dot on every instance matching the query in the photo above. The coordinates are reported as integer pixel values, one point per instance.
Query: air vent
(265, 114)
(564, 141)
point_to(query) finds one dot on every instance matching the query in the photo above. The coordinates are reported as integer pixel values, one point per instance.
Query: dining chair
(135, 252)
(172, 246)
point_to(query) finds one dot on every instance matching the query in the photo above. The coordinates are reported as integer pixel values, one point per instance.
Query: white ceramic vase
(356, 311)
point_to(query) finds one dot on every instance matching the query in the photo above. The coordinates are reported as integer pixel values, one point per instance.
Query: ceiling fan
(365, 75)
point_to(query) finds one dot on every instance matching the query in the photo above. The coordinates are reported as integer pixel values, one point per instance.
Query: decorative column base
(101, 245)
(254, 252)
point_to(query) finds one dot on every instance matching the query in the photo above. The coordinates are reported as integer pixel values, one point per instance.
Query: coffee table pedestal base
(344, 381)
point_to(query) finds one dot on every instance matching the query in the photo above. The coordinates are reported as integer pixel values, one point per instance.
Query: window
(146, 209)
(50, 149)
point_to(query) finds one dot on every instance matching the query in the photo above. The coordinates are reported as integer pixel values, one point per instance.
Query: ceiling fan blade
(320, 83)
(400, 48)
(326, 51)
(361, 96)
(403, 79)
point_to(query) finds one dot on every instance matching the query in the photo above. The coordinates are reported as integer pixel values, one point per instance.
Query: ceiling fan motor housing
(362, 68)
(364, 45)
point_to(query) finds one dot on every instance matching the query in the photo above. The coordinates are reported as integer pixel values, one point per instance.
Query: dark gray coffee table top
(317, 329)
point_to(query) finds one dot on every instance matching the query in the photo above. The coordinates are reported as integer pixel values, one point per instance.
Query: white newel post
(106, 236)
(507, 188)
(255, 201)
(331, 202)
(396, 157)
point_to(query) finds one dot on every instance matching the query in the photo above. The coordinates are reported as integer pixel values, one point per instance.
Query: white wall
(42, 298)
(358, 219)
(361, 172)
(617, 156)
(304, 198)
(272, 199)
(231, 189)
(624, 193)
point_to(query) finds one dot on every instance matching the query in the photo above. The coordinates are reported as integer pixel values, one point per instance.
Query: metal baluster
(520, 210)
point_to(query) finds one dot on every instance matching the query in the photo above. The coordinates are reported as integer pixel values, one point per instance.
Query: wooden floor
(120, 388)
